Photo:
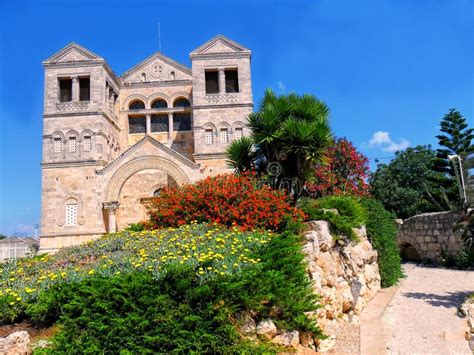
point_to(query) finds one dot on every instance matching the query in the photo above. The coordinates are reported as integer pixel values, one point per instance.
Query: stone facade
(112, 142)
(425, 236)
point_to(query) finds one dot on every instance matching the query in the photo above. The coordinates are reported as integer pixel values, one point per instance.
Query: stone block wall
(426, 235)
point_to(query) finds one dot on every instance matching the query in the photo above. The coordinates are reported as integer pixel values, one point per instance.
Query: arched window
(71, 212)
(157, 192)
(136, 105)
(143, 77)
(159, 103)
(172, 76)
(181, 102)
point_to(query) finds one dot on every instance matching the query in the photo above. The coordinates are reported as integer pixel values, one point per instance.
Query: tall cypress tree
(456, 139)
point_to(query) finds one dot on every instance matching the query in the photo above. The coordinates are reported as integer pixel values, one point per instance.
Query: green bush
(382, 233)
(350, 214)
(462, 260)
(179, 311)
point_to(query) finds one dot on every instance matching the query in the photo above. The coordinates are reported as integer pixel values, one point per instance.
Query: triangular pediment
(146, 147)
(218, 45)
(73, 53)
(157, 67)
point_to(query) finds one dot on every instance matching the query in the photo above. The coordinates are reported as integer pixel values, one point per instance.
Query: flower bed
(209, 249)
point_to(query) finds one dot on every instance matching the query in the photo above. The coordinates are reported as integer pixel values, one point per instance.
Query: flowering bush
(225, 199)
(344, 172)
(209, 249)
(170, 290)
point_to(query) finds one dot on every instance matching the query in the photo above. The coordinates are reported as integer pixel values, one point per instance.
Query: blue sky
(389, 70)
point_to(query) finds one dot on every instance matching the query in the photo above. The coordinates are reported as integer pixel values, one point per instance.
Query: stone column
(148, 124)
(170, 127)
(221, 81)
(75, 88)
(111, 207)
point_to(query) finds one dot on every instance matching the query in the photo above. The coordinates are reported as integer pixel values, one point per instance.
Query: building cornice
(89, 113)
(73, 164)
(220, 56)
(209, 156)
(76, 64)
(153, 84)
(198, 107)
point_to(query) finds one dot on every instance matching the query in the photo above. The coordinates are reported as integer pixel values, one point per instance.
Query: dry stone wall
(426, 235)
(345, 275)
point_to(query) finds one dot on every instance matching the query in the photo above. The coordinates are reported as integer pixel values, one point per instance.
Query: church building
(111, 143)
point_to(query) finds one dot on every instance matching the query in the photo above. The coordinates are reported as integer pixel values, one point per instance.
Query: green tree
(2, 236)
(455, 139)
(406, 185)
(289, 133)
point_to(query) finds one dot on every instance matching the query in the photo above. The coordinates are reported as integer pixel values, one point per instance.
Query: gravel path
(421, 317)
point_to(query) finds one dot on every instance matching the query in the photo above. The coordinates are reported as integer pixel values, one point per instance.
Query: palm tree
(291, 130)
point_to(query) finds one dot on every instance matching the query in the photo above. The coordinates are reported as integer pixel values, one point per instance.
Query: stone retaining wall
(424, 236)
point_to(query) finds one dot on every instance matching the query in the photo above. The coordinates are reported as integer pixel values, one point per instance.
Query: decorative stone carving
(157, 70)
(223, 99)
(73, 106)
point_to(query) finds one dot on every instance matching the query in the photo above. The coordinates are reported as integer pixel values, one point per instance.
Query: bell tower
(222, 99)
(80, 135)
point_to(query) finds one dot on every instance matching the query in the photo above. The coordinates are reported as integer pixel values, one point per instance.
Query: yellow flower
(91, 272)
(18, 298)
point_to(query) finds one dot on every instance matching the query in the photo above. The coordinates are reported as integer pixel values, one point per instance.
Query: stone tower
(80, 135)
(222, 98)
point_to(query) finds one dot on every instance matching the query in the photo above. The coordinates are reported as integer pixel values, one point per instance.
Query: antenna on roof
(159, 36)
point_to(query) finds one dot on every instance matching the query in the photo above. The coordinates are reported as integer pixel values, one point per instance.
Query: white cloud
(393, 147)
(382, 139)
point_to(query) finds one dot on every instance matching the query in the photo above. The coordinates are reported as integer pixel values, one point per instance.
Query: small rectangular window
(159, 123)
(137, 124)
(72, 144)
(212, 81)
(209, 136)
(65, 90)
(84, 89)
(231, 80)
(87, 143)
(58, 145)
(71, 214)
(224, 136)
(239, 132)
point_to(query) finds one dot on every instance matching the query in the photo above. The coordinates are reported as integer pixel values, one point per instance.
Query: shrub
(350, 214)
(226, 199)
(382, 233)
(463, 260)
(219, 249)
(343, 173)
(178, 311)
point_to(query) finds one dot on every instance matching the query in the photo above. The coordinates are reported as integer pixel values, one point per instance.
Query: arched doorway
(409, 253)
(133, 183)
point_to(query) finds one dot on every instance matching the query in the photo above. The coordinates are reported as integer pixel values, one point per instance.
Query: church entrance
(136, 195)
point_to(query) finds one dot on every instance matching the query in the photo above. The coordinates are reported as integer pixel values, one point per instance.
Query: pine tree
(456, 139)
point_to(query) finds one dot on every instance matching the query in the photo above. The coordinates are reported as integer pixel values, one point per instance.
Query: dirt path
(419, 317)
